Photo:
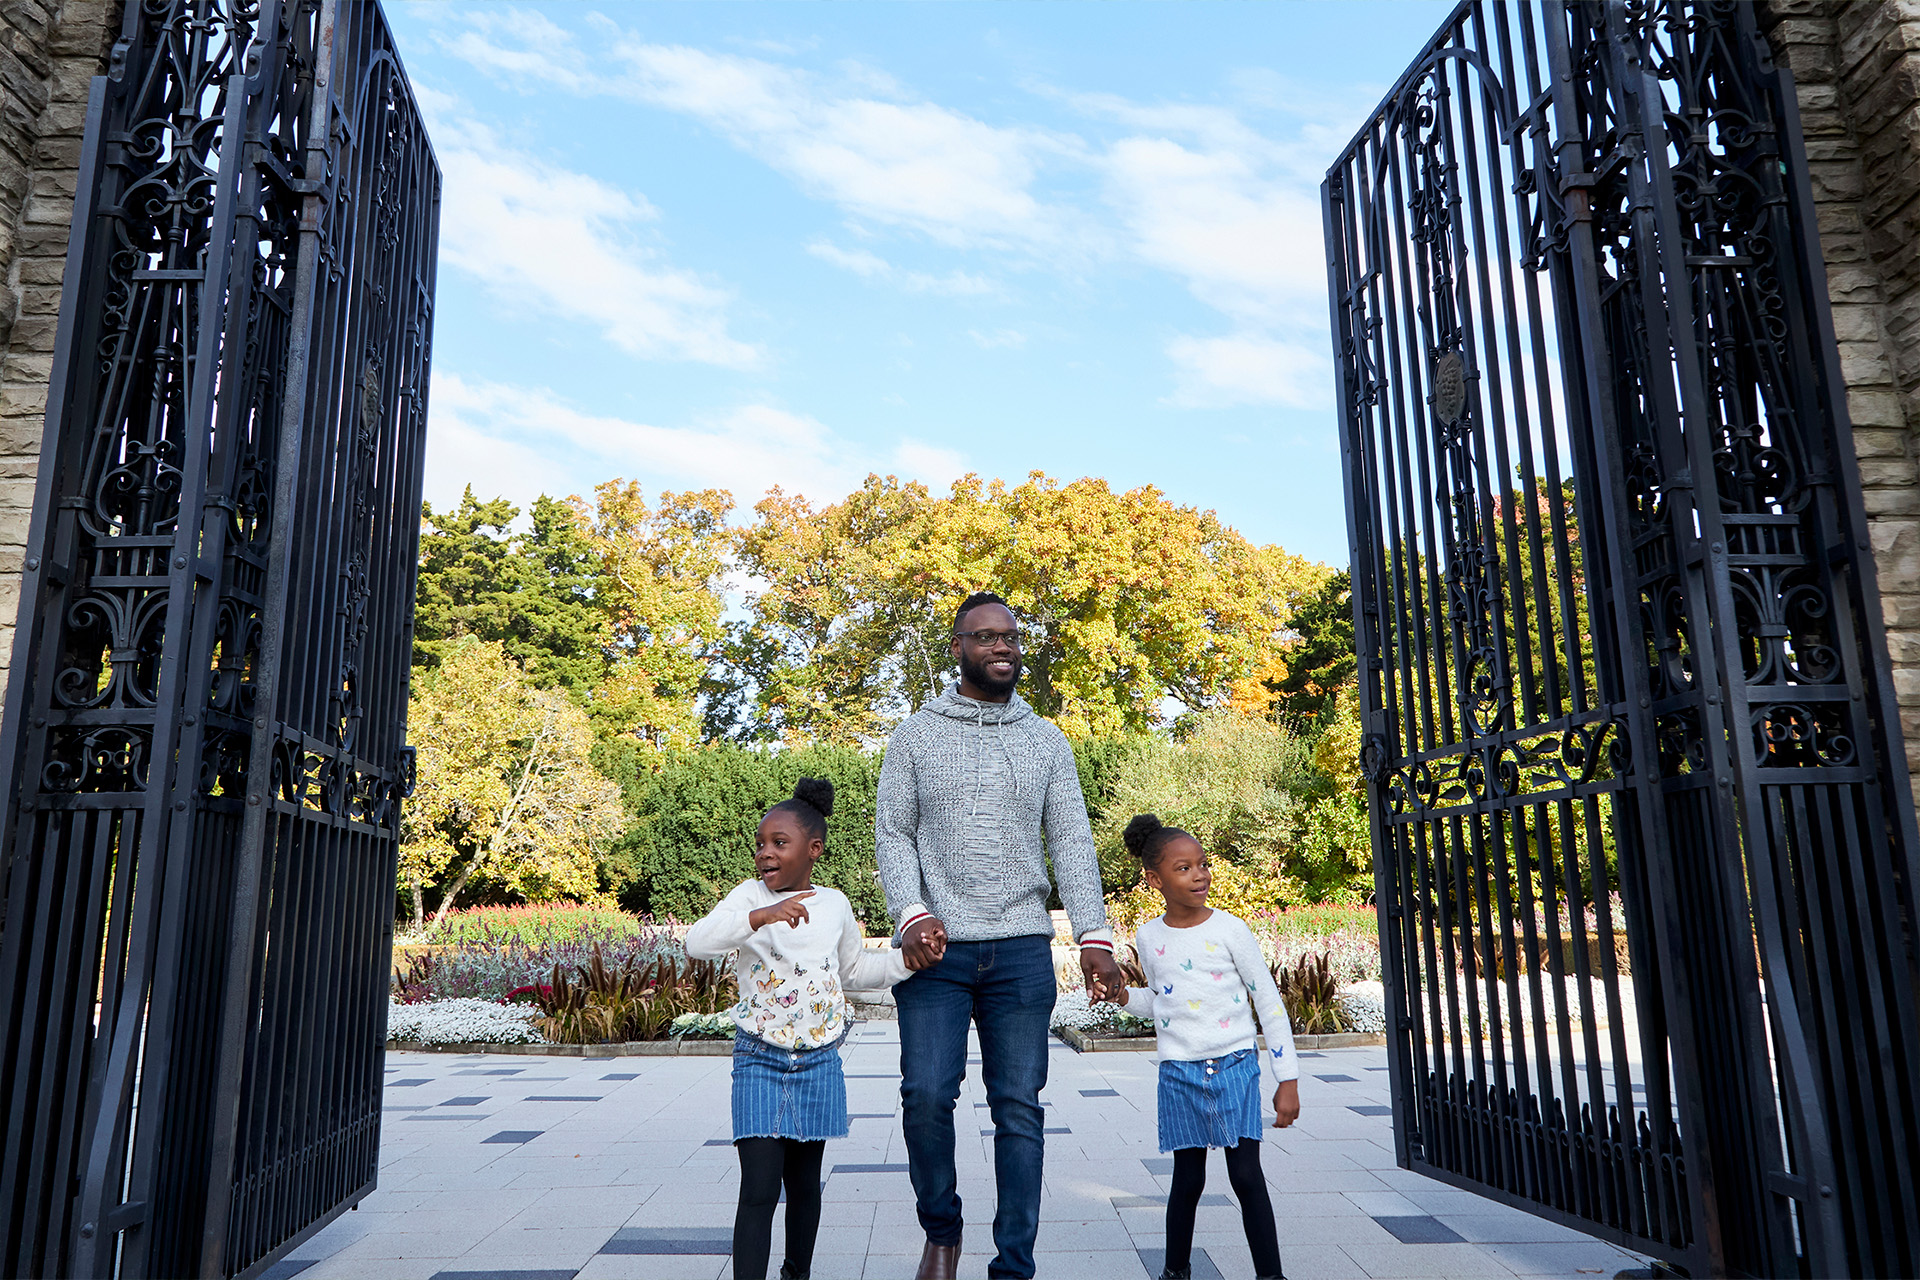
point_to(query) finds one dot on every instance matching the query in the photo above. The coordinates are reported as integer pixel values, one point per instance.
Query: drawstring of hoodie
(1000, 738)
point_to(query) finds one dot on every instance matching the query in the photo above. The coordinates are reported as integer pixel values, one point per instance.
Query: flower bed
(449, 1022)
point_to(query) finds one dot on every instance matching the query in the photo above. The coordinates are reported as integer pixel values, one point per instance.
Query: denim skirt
(787, 1093)
(1213, 1103)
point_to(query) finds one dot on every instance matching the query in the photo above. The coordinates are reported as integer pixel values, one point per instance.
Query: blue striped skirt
(787, 1093)
(1213, 1103)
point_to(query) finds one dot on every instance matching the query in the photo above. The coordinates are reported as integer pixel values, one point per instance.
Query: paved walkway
(604, 1169)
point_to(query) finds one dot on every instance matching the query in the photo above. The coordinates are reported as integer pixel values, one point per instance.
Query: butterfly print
(1159, 951)
(769, 982)
(1236, 999)
(786, 1001)
(1223, 1023)
(1212, 947)
(1217, 975)
(1166, 988)
(1166, 1022)
(1187, 965)
(1194, 1005)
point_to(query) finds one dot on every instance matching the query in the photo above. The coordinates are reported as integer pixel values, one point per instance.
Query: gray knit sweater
(966, 791)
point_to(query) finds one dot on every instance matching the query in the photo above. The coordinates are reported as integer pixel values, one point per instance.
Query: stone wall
(1856, 65)
(49, 51)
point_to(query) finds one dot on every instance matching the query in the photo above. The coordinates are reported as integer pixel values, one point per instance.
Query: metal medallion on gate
(1449, 387)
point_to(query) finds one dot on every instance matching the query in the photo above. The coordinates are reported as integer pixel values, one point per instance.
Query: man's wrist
(1099, 939)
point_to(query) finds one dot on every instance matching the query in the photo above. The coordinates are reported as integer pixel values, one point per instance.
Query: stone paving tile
(450, 1200)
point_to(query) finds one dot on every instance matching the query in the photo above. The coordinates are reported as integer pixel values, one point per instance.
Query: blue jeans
(1006, 989)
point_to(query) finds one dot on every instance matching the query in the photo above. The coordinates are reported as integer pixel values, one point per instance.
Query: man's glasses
(988, 639)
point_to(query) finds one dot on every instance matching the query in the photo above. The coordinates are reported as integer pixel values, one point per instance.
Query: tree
(660, 583)
(535, 593)
(1128, 600)
(1314, 670)
(506, 794)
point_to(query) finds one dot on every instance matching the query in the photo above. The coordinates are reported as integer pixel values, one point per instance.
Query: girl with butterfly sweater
(1208, 980)
(798, 949)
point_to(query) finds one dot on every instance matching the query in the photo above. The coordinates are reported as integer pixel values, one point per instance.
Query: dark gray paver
(1155, 1261)
(670, 1240)
(514, 1135)
(1420, 1229)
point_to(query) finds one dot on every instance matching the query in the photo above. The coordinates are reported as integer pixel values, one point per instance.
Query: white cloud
(1246, 242)
(998, 338)
(871, 266)
(549, 239)
(855, 140)
(522, 441)
(1217, 373)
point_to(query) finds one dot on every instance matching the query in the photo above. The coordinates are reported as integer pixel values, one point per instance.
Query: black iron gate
(1645, 848)
(204, 739)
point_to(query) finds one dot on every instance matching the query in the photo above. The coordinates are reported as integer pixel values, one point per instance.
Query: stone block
(1876, 99)
(1865, 364)
(1875, 408)
(1853, 285)
(1891, 502)
(27, 368)
(16, 492)
(1903, 648)
(34, 333)
(1836, 180)
(14, 524)
(1906, 686)
(12, 559)
(1901, 609)
(1878, 443)
(1855, 323)
(42, 271)
(1886, 471)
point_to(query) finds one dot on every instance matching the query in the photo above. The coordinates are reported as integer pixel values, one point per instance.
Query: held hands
(1104, 979)
(924, 942)
(1286, 1103)
(792, 910)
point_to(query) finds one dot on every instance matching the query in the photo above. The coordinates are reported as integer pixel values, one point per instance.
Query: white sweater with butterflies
(1208, 982)
(791, 977)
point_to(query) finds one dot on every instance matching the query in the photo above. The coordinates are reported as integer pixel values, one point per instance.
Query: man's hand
(792, 910)
(1104, 979)
(1286, 1103)
(924, 941)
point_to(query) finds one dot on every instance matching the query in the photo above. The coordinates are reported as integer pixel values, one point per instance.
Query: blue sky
(737, 245)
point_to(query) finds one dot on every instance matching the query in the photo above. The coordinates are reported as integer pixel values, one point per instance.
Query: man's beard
(975, 674)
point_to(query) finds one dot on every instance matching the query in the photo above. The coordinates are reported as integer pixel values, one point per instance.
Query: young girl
(799, 947)
(1207, 979)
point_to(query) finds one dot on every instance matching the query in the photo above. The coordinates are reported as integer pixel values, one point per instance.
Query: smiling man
(975, 793)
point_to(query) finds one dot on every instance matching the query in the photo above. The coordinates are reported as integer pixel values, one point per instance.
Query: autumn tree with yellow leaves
(507, 797)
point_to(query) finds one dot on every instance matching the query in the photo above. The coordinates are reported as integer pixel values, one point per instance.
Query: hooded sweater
(968, 790)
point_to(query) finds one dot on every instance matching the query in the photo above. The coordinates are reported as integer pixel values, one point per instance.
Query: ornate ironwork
(1620, 636)
(204, 737)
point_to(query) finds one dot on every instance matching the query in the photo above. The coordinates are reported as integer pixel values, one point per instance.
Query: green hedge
(694, 819)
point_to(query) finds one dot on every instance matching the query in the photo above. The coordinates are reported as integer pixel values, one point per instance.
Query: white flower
(437, 1022)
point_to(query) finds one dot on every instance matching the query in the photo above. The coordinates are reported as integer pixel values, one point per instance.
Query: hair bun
(1140, 831)
(815, 793)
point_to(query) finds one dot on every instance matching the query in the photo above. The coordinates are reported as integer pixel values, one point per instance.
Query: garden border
(1084, 1043)
(620, 1049)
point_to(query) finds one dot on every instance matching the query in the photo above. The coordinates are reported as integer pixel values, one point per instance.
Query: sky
(739, 245)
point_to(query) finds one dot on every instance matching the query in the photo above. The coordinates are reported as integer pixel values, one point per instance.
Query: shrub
(694, 819)
(545, 925)
(1312, 994)
(602, 1004)
(490, 967)
(1348, 936)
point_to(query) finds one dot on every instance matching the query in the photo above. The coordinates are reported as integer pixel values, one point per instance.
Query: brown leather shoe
(939, 1262)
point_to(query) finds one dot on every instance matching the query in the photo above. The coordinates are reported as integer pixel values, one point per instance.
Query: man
(975, 792)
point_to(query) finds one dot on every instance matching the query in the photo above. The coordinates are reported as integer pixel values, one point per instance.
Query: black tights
(1249, 1184)
(766, 1164)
